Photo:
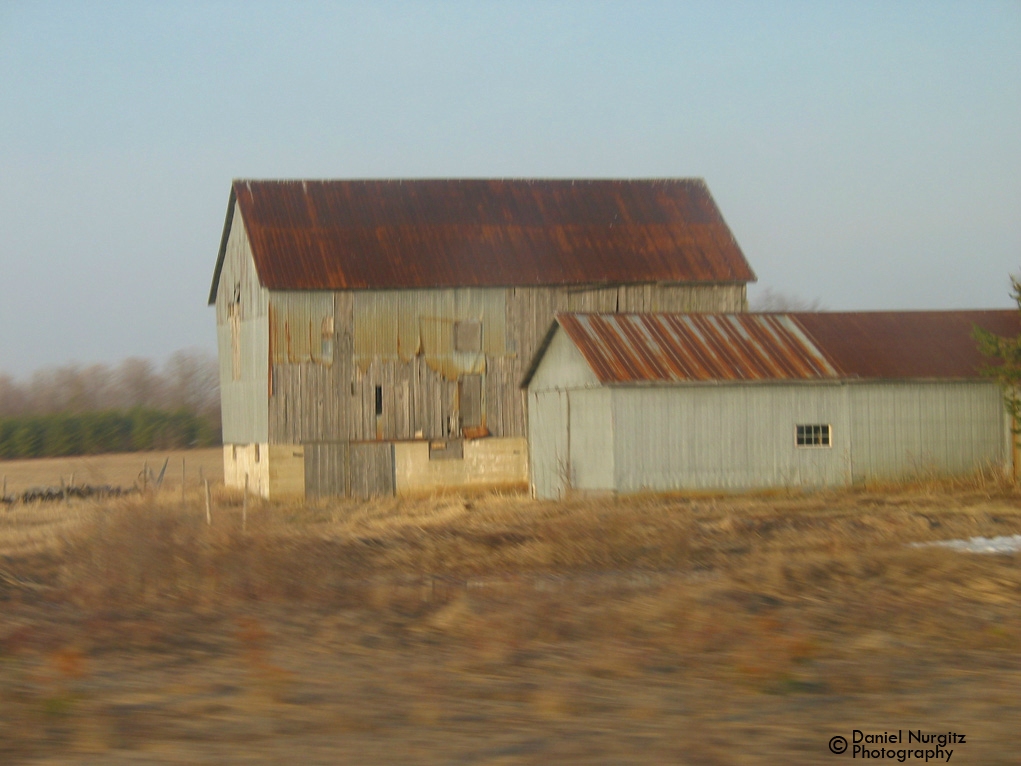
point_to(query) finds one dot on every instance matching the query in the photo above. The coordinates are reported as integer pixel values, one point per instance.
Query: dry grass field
(497, 630)
(120, 470)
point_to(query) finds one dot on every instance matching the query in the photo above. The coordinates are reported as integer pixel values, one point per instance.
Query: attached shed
(372, 334)
(631, 403)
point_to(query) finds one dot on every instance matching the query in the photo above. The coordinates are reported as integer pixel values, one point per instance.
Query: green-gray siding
(244, 401)
(742, 436)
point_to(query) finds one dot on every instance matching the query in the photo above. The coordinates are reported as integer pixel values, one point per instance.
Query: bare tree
(774, 300)
(138, 383)
(13, 400)
(192, 381)
(44, 393)
(100, 387)
(189, 380)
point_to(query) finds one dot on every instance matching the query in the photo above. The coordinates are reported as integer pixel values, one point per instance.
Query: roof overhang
(228, 222)
(540, 352)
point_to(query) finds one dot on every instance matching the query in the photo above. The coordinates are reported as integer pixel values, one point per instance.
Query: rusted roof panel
(890, 345)
(445, 233)
(629, 348)
(907, 344)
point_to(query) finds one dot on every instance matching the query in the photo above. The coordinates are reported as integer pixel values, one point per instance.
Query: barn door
(326, 467)
(372, 469)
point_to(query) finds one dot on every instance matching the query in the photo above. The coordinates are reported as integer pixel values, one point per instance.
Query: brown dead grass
(117, 469)
(497, 629)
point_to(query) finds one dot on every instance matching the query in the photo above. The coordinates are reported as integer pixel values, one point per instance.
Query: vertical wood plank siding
(403, 342)
(372, 469)
(327, 352)
(326, 469)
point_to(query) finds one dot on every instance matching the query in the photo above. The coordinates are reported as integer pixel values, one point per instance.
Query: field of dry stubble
(495, 629)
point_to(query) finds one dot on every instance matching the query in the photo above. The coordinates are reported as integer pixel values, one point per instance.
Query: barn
(372, 335)
(629, 403)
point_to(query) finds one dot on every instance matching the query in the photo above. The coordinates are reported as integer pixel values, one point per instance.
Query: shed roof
(665, 348)
(907, 344)
(457, 233)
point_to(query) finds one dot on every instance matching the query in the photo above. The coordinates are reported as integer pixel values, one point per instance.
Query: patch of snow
(1011, 544)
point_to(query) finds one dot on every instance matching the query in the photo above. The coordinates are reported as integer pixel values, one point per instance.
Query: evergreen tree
(1007, 351)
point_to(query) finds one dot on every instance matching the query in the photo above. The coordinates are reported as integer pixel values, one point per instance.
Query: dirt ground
(498, 630)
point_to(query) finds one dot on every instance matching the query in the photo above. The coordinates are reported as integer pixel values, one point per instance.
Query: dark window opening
(813, 436)
(234, 319)
(469, 394)
(379, 400)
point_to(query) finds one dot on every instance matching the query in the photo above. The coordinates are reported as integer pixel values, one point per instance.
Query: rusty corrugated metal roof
(892, 345)
(907, 344)
(627, 348)
(449, 233)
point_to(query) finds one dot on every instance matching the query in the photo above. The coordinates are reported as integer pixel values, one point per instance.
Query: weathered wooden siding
(302, 328)
(360, 469)
(326, 469)
(244, 399)
(371, 469)
(328, 353)
(402, 324)
(403, 342)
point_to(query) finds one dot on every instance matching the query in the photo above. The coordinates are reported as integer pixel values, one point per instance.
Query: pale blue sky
(864, 154)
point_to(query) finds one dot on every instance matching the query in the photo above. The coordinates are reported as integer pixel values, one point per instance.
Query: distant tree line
(74, 410)
(770, 300)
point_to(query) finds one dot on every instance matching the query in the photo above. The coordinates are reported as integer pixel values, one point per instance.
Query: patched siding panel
(312, 397)
(301, 328)
(402, 324)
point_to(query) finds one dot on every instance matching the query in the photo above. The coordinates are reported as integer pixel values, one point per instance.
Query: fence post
(209, 517)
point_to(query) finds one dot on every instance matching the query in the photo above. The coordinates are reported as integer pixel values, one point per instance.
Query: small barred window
(814, 436)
